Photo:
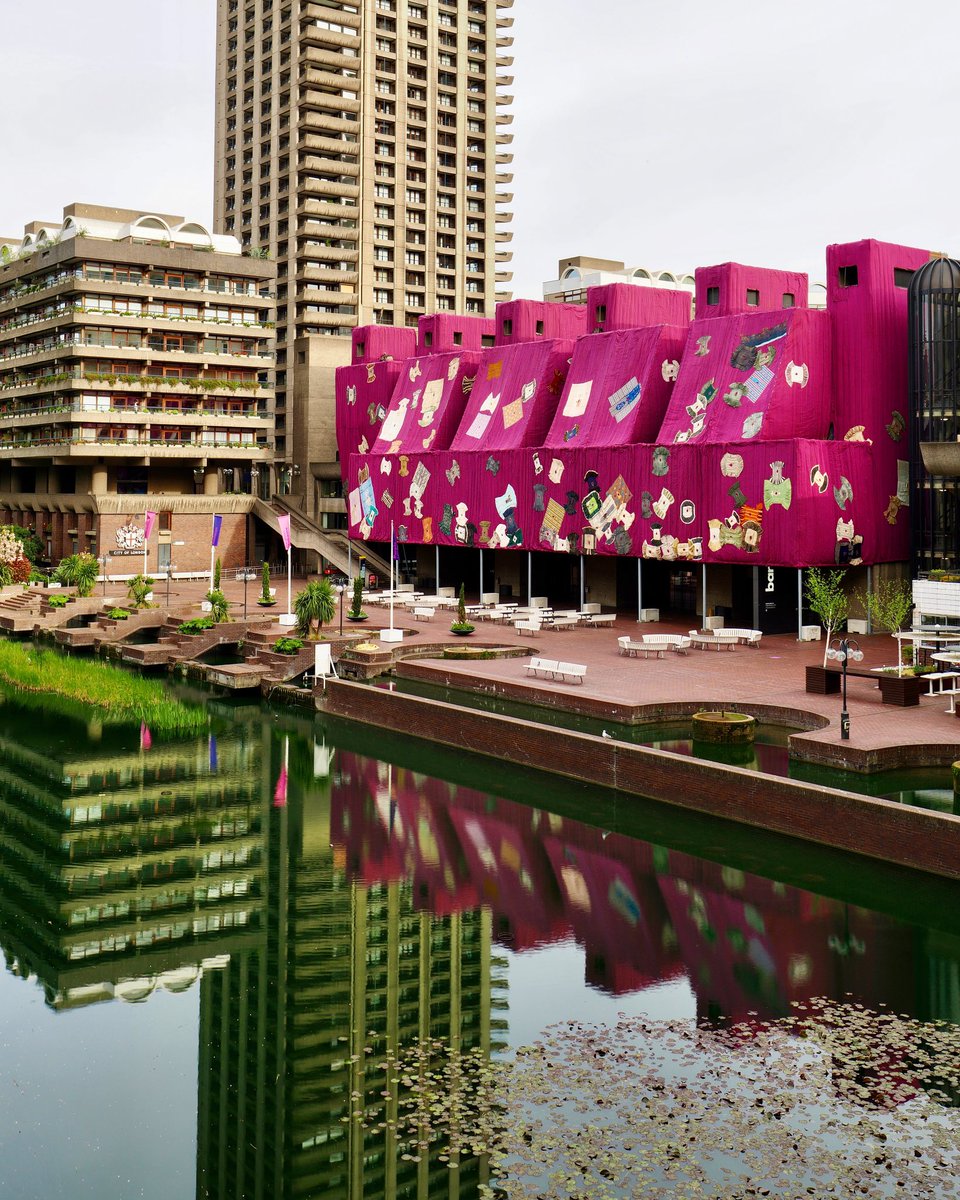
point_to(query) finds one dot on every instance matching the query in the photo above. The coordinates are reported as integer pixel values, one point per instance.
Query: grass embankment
(67, 684)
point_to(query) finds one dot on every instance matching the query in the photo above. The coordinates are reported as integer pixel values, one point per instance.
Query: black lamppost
(246, 574)
(844, 650)
(341, 588)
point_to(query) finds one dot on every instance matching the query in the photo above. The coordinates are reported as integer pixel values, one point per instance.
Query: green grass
(118, 696)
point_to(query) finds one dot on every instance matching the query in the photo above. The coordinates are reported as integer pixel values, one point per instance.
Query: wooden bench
(422, 613)
(902, 690)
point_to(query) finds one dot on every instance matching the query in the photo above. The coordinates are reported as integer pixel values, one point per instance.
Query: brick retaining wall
(910, 837)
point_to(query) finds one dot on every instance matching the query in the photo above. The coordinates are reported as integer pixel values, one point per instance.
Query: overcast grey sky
(668, 134)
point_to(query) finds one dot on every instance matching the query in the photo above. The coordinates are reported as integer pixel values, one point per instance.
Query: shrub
(79, 571)
(139, 589)
(20, 570)
(217, 570)
(196, 625)
(356, 609)
(461, 624)
(314, 606)
(118, 614)
(57, 601)
(219, 606)
(287, 645)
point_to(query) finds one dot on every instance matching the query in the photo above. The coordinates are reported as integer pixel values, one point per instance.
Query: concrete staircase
(307, 534)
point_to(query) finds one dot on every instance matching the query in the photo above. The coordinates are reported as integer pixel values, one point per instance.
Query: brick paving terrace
(769, 679)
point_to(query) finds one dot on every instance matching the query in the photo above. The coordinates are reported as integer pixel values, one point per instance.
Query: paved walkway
(770, 675)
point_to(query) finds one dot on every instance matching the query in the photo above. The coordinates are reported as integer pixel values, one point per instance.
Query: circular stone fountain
(724, 728)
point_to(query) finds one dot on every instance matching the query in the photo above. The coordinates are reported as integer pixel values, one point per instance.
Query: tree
(265, 599)
(314, 606)
(461, 624)
(827, 600)
(356, 609)
(217, 569)
(79, 571)
(889, 604)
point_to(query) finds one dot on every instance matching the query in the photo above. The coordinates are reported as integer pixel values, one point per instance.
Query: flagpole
(391, 574)
(289, 602)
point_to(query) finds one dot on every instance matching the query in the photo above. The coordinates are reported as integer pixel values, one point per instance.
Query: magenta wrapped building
(756, 439)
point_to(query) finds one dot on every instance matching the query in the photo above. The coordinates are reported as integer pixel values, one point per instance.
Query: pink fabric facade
(363, 395)
(618, 387)
(630, 306)
(782, 442)
(787, 503)
(447, 331)
(427, 404)
(376, 343)
(730, 288)
(514, 396)
(753, 376)
(526, 320)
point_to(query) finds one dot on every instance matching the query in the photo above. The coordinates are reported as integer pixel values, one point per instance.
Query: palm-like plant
(79, 571)
(219, 606)
(314, 606)
(139, 589)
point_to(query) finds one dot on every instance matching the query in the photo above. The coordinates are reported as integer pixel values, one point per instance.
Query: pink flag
(280, 794)
(146, 741)
(283, 520)
(149, 519)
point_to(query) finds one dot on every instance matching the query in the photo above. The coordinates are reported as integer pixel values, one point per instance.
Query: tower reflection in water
(330, 903)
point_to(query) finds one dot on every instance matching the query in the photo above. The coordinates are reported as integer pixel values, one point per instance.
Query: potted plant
(356, 612)
(461, 625)
(266, 598)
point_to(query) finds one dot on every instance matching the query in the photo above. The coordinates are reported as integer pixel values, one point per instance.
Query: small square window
(361, 348)
(507, 328)
(713, 295)
(601, 313)
(901, 277)
(487, 340)
(458, 339)
(428, 338)
(753, 297)
(789, 300)
(539, 328)
(847, 277)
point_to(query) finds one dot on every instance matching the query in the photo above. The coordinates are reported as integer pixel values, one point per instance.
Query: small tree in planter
(138, 589)
(265, 599)
(461, 625)
(356, 612)
(827, 600)
(314, 606)
(217, 570)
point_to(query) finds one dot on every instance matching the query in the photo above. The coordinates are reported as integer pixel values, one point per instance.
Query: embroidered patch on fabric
(619, 492)
(351, 393)
(512, 413)
(796, 374)
(432, 395)
(478, 425)
(428, 442)
(890, 512)
(490, 403)
(661, 460)
(731, 465)
(843, 493)
(415, 372)
(387, 500)
(404, 470)
(537, 464)
(529, 390)
(553, 517)
(819, 479)
(466, 383)
(669, 369)
(571, 433)
(758, 383)
(386, 466)
(624, 399)
(371, 372)
(494, 369)
(452, 368)
(492, 465)
(897, 425)
(578, 397)
(453, 473)
(688, 512)
(703, 346)
(364, 446)
(418, 484)
(556, 470)
(751, 426)
(856, 434)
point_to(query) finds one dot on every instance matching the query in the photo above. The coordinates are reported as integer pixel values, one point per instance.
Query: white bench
(422, 613)
(543, 666)
(717, 640)
(564, 621)
(631, 648)
(747, 637)
(601, 620)
(528, 625)
(572, 671)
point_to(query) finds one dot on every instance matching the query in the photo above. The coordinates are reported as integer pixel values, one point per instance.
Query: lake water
(204, 941)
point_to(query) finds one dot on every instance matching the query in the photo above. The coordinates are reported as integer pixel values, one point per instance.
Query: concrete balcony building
(136, 361)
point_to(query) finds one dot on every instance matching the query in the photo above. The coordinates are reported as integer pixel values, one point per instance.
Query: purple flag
(215, 538)
(396, 548)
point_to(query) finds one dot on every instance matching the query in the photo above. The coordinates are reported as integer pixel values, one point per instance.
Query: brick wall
(878, 829)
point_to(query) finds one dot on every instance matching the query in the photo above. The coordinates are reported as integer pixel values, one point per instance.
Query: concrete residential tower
(360, 143)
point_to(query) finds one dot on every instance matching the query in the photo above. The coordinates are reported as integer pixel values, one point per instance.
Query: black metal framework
(934, 419)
